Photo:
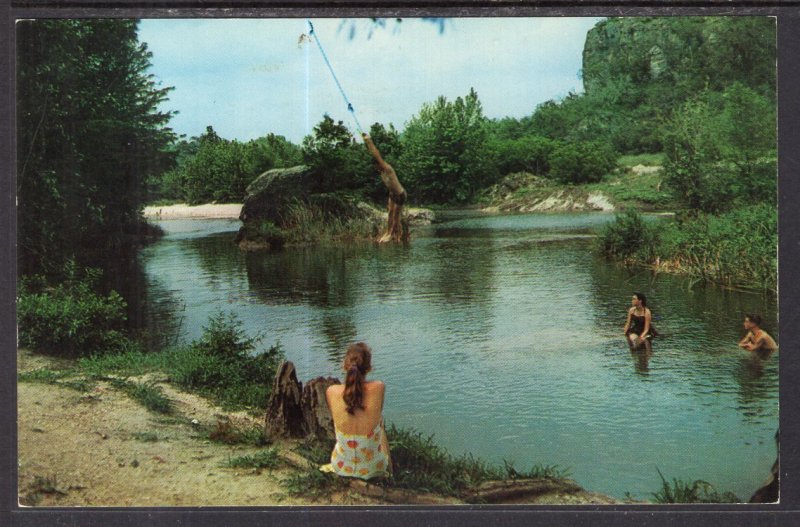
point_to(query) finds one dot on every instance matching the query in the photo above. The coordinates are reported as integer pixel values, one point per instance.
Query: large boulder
(271, 192)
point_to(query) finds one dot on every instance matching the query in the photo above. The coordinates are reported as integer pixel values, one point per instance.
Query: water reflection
(641, 360)
(520, 307)
(756, 379)
(320, 276)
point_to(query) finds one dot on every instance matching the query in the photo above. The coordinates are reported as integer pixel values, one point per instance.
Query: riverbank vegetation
(694, 95)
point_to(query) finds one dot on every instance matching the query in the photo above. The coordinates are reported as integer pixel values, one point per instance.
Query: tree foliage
(721, 150)
(210, 168)
(89, 132)
(338, 162)
(445, 157)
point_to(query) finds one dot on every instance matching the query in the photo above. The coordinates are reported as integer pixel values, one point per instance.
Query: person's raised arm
(375, 152)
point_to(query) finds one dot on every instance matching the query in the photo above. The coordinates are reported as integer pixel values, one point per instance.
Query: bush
(581, 162)
(71, 318)
(629, 236)
(525, 154)
(222, 365)
(737, 248)
(721, 150)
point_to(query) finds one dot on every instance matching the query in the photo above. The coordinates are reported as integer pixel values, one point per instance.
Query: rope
(338, 84)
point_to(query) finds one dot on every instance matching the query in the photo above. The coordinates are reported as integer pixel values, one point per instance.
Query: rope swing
(338, 84)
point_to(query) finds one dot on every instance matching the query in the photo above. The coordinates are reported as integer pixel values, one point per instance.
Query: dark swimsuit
(637, 326)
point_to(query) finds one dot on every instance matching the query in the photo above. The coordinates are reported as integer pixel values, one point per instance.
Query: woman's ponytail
(357, 362)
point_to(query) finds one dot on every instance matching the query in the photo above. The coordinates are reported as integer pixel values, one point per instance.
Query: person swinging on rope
(396, 230)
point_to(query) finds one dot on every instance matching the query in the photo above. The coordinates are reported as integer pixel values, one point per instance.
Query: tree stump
(297, 411)
(284, 417)
(317, 418)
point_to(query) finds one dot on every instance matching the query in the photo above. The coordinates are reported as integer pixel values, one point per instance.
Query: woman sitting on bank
(639, 330)
(361, 449)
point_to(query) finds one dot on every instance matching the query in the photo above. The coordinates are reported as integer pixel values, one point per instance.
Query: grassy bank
(735, 249)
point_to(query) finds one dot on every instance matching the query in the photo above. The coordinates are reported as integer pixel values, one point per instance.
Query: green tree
(581, 162)
(529, 153)
(446, 156)
(721, 150)
(337, 161)
(89, 133)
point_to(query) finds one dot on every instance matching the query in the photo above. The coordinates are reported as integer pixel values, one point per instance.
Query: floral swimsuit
(360, 456)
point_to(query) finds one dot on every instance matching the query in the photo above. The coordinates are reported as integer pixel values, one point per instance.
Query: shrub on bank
(71, 318)
(581, 162)
(222, 364)
(738, 248)
(628, 237)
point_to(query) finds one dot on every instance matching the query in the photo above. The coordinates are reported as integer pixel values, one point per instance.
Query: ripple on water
(502, 337)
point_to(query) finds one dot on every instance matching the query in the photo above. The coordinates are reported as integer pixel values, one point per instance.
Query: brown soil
(87, 448)
(84, 446)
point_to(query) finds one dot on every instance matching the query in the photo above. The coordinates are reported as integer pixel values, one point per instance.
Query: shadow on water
(320, 276)
(154, 314)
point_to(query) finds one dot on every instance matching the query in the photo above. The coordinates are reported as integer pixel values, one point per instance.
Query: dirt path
(101, 448)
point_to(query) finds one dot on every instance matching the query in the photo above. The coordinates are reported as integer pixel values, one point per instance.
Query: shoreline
(182, 211)
(84, 442)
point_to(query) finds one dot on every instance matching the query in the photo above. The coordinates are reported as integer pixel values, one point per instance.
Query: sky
(251, 77)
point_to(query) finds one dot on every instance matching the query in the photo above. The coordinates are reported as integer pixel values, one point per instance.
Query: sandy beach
(184, 211)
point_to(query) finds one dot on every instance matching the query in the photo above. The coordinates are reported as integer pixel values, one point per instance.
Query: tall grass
(735, 249)
(305, 223)
(419, 464)
(738, 248)
(698, 491)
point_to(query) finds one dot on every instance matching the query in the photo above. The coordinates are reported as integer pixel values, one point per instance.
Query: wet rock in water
(284, 417)
(316, 414)
(299, 411)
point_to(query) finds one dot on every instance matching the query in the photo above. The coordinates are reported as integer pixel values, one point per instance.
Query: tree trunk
(284, 416)
(298, 411)
(317, 418)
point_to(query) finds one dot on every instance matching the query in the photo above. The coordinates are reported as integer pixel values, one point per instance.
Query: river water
(501, 336)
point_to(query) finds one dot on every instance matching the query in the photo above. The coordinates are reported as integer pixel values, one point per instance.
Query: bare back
(361, 421)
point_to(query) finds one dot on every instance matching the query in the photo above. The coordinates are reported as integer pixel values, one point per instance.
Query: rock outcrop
(274, 190)
(281, 207)
(297, 411)
(524, 192)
